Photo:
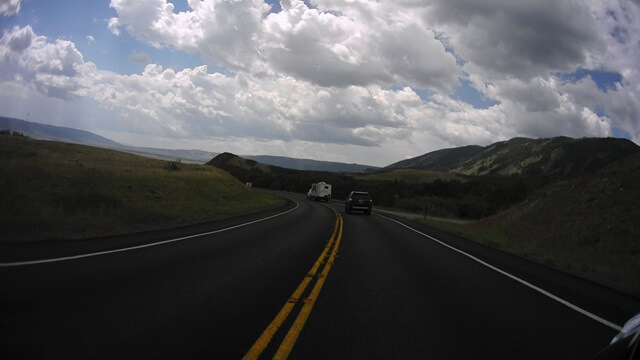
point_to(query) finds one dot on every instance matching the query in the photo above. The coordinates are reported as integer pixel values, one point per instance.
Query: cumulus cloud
(520, 38)
(195, 103)
(114, 26)
(57, 68)
(621, 106)
(221, 30)
(17, 40)
(358, 44)
(361, 44)
(349, 77)
(9, 7)
(513, 51)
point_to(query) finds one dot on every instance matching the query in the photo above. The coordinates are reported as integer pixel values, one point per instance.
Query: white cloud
(113, 25)
(520, 38)
(343, 78)
(9, 7)
(56, 69)
(621, 105)
(512, 52)
(194, 103)
(221, 30)
(365, 43)
(91, 39)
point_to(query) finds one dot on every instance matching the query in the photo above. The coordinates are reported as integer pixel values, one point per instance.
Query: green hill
(310, 165)
(53, 190)
(442, 194)
(411, 176)
(587, 226)
(439, 160)
(559, 157)
(578, 209)
(56, 133)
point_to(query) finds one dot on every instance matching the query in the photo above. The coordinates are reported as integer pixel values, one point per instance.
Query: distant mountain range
(308, 164)
(56, 133)
(555, 157)
(65, 134)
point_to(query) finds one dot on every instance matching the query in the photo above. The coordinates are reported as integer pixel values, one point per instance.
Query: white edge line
(44, 261)
(523, 282)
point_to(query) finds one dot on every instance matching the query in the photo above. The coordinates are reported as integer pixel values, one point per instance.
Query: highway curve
(349, 286)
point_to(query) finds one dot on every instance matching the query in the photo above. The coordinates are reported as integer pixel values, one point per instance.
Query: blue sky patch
(425, 95)
(619, 133)
(467, 93)
(605, 80)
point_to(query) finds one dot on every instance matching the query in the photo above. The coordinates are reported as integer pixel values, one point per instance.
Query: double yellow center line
(292, 335)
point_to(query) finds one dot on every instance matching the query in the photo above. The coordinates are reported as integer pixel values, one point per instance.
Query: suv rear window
(360, 196)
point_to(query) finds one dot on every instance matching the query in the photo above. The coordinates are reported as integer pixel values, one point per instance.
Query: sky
(355, 81)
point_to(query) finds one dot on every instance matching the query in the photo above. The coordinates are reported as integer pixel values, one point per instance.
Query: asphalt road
(372, 288)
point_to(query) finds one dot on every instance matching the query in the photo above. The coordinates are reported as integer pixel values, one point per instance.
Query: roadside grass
(587, 227)
(53, 190)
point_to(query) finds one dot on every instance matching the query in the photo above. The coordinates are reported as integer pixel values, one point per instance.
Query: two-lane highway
(398, 294)
(207, 296)
(382, 290)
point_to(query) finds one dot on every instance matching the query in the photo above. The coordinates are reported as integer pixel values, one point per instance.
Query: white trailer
(319, 191)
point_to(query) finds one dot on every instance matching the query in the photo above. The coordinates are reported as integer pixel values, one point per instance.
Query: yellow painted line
(264, 339)
(292, 336)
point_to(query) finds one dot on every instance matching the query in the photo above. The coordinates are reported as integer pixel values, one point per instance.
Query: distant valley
(65, 134)
(568, 203)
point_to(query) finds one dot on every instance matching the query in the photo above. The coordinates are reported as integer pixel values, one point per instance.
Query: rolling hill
(558, 157)
(439, 160)
(586, 225)
(311, 165)
(568, 203)
(74, 136)
(60, 191)
(57, 133)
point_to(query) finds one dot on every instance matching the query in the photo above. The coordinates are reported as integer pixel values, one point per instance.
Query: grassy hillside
(439, 160)
(277, 178)
(309, 165)
(56, 133)
(411, 176)
(58, 190)
(437, 193)
(587, 226)
(558, 157)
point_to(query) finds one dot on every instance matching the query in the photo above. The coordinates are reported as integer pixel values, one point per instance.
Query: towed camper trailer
(319, 191)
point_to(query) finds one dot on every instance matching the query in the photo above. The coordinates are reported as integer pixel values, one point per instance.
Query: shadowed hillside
(587, 226)
(278, 178)
(434, 193)
(439, 160)
(310, 165)
(568, 203)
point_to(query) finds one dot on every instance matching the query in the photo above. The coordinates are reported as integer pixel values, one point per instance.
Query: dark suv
(358, 201)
